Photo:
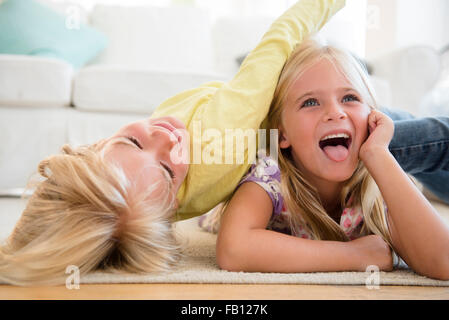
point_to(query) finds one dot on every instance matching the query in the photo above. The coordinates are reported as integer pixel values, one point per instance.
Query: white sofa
(45, 103)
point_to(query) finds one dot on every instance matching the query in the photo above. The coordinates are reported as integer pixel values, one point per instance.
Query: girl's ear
(284, 143)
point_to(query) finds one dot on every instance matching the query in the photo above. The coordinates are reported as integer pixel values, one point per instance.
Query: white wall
(398, 24)
(394, 24)
(348, 27)
(422, 22)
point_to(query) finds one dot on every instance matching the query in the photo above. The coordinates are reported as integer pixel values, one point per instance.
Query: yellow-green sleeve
(241, 103)
(244, 101)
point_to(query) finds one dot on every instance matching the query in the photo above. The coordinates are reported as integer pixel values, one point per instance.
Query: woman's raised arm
(244, 101)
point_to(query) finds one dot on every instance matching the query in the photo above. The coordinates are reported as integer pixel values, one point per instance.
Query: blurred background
(75, 71)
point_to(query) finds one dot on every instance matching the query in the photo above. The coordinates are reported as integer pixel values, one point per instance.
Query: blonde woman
(110, 205)
(337, 200)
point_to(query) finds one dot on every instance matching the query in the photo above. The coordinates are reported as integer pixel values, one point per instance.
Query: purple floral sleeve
(265, 172)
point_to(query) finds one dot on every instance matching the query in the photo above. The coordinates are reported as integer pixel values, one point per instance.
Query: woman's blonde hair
(84, 212)
(299, 195)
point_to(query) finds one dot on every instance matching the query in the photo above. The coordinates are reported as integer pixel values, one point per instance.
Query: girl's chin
(339, 179)
(338, 174)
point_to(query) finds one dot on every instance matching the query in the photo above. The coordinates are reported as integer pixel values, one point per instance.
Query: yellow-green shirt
(241, 103)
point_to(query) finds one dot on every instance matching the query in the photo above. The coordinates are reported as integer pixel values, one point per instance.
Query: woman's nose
(163, 139)
(334, 111)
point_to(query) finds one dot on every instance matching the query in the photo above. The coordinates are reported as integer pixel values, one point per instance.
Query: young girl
(338, 200)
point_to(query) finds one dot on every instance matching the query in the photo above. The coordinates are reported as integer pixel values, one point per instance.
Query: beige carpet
(199, 266)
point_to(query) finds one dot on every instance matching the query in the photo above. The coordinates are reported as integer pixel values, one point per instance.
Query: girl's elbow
(439, 275)
(438, 270)
(443, 270)
(444, 277)
(228, 258)
(227, 263)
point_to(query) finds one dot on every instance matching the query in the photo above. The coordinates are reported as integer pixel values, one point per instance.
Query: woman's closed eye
(168, 169)
(350, 98)
(135, 141)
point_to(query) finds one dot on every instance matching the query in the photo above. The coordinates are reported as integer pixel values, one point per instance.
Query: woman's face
(325, 122)
(150, 151)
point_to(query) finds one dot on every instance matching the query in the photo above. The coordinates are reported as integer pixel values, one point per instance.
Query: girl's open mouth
(336, 146)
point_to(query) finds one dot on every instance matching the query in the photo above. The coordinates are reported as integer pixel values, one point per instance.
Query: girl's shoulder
(265, 168)
(266, 173)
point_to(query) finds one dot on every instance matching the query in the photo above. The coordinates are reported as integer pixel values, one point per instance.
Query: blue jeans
(421, 147)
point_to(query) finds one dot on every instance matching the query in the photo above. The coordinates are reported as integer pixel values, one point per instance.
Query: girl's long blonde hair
(84, 212)
(300, 197)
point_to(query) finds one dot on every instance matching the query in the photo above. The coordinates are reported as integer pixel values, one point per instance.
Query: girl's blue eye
(310, 102)
(350, 97)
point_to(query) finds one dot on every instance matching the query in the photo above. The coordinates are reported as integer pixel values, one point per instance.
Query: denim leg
(421, 147)
(437, 182)
(396, 114)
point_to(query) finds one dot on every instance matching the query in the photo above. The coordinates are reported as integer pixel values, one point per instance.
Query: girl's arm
(243, 243)
(418, 233)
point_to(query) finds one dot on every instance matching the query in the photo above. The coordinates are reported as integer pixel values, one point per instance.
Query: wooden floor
(223, 292)
(219, 291)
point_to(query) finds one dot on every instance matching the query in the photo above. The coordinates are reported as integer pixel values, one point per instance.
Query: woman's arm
(244, 101)
(241, 104)
(244, 244)
(419, 235)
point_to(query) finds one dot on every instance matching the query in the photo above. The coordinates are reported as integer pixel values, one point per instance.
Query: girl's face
(150, 151)
(324, 121)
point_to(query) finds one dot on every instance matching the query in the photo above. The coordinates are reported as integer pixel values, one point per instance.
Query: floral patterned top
(266, 173)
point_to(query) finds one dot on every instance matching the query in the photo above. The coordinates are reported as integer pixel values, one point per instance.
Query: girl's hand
(381, 130)
(373, 250)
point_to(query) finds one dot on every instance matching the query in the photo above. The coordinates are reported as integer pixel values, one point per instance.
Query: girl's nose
(334, 112)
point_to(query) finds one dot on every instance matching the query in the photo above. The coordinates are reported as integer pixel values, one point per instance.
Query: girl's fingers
(372, 121)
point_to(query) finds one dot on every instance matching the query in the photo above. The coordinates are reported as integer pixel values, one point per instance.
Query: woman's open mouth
(336, 146)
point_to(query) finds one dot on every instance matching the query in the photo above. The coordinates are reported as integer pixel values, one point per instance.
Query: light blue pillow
(30, 28)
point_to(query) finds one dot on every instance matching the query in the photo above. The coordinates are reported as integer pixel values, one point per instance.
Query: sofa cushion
(234, 37)
(86, 127)
(118, 89)
(164, 38)
(28, 27)
(34, 81)
(28, 136)
(31, 134)
(411, 73)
